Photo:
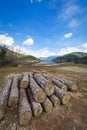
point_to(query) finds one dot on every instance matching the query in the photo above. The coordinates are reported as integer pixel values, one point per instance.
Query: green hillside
(76, 57)
(8, 57)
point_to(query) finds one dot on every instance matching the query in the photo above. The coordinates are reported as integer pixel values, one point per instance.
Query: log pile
(34, 93)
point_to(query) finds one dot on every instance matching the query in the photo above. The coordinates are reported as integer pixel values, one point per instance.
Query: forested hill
(8, 56)
(76, 57)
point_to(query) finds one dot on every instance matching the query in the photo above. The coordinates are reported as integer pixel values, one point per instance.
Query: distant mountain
(76, 57)
(48, 58)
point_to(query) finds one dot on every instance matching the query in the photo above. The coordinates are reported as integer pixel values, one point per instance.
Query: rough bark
(47, 77)
(55, 100)
(38, 94)
(4, 97)
(25, 80)
(25, 112)
(36, 107)
(63, 96)
(47, 86)
(47, 105)
(59, 84)
(71, 85)
(14, 94)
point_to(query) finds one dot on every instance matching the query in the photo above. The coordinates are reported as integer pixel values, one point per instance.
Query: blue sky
(44, 27)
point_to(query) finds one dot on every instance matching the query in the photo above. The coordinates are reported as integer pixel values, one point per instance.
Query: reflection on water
(47, 62)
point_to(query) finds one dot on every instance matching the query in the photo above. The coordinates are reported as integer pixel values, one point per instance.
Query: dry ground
(72, 116)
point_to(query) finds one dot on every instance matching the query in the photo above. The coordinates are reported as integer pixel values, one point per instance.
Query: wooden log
(4, 97)
(71, 85)
(25, 80)
(47, 86)
(47, 77)
(59, 84)
(47, 105)
(25, 112)
(14, 94)
(55, 100)
(36, 107)
(63, 96)
(38, 93)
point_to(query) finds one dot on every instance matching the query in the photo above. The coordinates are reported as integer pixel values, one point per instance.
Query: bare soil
(72, 116)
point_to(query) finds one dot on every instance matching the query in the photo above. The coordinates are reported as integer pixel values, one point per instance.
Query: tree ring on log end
(1, 114)
(49, 89)
(25, 118)
(38, 111)
(48, 107)
(66, 99)
(40, 96)
(24, 84)
(64, 87)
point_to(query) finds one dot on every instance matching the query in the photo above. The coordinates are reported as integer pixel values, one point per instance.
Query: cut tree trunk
(55, 100)
(59, 84)
(4, 97)
(25, 112)
(47, 86)
(63, 96)
(25, 80)
(14, 94)
(47, 105)
(47, 77)
(38, 93)
(36, 107)
(71, 85)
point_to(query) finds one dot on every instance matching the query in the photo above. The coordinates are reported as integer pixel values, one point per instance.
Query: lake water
(47, 62)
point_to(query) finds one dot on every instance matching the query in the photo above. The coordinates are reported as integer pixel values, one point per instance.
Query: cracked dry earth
(72, 116)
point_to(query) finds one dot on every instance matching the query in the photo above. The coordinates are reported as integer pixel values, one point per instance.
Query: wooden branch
(55, 100)
(45, 84)
(25, 80)
(63, 96)
(25, 112)
(36, 107)
(14, 94)
(38, 94)
(3, 97)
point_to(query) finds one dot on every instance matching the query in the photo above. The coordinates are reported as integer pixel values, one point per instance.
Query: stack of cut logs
(33, 93)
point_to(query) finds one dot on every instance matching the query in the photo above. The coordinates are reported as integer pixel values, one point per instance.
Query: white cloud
(84, 45)
(68, 35)
(73, 23)
(6, 40)
(31, 1)
(68, 10)
(29, 41)
(67, 50)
